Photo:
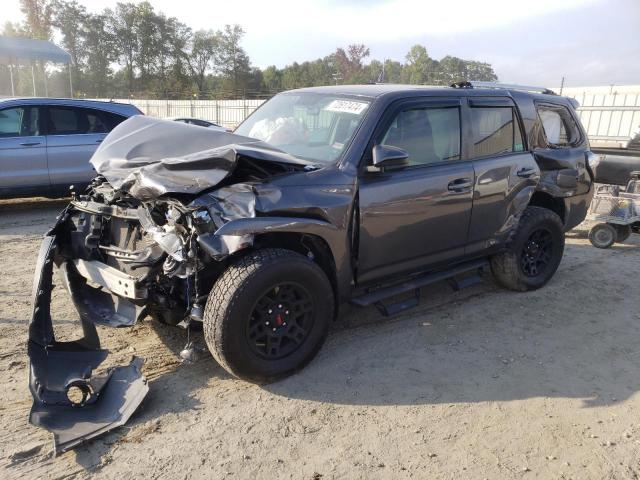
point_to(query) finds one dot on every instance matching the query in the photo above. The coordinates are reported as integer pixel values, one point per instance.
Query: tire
(256, 296)
(534, 253)
(602, 235)
(622, 232)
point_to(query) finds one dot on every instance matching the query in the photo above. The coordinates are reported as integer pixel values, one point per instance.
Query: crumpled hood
(148, 157)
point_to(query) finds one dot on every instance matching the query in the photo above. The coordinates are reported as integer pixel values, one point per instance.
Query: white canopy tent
(13, 50)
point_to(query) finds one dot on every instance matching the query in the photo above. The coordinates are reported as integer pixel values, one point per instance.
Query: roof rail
(505, 86)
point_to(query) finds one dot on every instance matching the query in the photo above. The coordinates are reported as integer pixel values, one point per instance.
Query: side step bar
(377, 296)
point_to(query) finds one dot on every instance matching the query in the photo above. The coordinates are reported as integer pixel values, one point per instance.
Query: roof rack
(505, 86)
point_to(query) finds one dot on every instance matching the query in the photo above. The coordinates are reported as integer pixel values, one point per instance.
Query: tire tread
(505, 266)
(229, 289)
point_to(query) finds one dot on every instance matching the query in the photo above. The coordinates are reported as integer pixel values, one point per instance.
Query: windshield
(311, 126)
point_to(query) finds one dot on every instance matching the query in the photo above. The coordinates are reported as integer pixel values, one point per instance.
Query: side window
(495, 131)
(19, 122)
(112, 120)
(558, 127)
(429, 135)
(74, 121)
(95, 121)
(66, 121)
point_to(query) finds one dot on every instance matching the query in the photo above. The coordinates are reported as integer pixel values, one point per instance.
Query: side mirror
(388, 156)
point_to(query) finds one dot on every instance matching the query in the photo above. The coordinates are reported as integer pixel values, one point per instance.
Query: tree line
(134, 50)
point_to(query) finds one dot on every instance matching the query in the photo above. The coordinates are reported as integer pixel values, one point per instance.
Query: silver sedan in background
(46, 143)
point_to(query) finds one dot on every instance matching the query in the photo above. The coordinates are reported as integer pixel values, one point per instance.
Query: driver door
(418, 214)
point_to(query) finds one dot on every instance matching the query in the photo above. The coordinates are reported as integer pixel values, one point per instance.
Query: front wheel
(534, 253)
(268, 314)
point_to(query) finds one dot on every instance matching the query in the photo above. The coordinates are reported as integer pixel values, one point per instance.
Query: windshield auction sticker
(347, 106)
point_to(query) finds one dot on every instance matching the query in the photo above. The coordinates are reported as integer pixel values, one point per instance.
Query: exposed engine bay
(138, 242)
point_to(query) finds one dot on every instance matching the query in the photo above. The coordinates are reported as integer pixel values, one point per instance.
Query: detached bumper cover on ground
(68, 400)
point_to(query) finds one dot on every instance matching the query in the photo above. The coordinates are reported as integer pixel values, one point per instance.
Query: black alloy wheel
(537, 252)
(280, 321)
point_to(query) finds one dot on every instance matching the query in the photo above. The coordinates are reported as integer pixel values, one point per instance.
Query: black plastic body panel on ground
(103, 401)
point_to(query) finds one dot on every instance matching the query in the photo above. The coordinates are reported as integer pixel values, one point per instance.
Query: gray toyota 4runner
(322, 196)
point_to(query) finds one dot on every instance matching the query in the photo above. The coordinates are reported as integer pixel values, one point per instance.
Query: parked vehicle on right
(46, 143)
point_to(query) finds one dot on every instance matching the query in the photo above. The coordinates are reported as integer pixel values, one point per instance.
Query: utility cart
(615, 213)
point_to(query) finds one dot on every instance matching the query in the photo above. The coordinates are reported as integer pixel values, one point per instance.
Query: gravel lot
(481, 383)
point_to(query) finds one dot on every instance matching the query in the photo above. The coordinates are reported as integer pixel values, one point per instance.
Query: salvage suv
(323, 195)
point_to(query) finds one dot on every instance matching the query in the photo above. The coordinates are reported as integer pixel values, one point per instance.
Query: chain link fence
(227, 113)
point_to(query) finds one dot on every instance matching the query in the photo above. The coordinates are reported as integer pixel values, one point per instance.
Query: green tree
(174, 59)
(38, 15)
(272, 79)
(204, 56)
(99, 45)
(350, 62)
(11, 29)
(393, 71)
(123, 27)
(234, 63)
(420, 67)
(70, 18)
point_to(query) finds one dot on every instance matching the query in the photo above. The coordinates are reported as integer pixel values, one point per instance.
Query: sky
(535, 42)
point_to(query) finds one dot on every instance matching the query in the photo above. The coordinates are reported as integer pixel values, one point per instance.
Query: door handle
(460, 185)
(526, 172)
(30, 144)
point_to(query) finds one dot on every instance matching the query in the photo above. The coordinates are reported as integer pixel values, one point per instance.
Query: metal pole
(70, 81)
(44, 76)
(33, 79)
(561, 85)
(13, 91)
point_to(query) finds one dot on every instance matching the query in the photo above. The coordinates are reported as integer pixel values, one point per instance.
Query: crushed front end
(120, 259)
(143, 240)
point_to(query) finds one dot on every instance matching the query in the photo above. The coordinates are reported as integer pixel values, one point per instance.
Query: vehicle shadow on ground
(575, 338)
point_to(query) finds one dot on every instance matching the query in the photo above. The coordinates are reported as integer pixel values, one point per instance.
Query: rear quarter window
(112, 119)
(557, 128)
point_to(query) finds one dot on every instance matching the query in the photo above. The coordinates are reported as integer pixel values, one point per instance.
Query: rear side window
(429, 135)
(557, 127)
(112, 120)
(19, 122)
(74, 121)
(495, 131)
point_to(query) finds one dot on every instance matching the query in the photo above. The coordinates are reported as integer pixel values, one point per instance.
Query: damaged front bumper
(68, 400)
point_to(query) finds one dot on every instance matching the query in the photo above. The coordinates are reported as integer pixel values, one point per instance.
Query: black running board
(377, 296)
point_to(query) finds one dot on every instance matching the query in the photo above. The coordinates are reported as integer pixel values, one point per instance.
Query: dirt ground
(482, 383)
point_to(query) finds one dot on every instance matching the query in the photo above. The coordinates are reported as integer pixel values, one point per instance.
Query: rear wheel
(534, 253)
(602, 235)
(268, 314)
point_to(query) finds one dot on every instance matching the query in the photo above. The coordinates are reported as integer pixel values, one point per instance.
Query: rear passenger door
(506, 173)
(73, 135)
(23, 157)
